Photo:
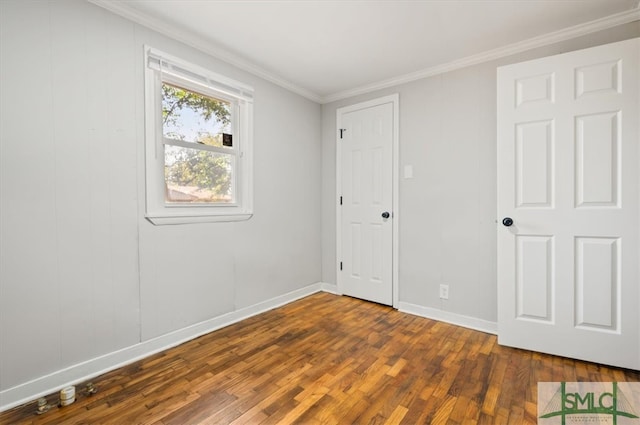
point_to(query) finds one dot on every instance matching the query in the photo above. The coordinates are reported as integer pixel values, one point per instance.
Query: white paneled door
(568, 196)
(365, 215)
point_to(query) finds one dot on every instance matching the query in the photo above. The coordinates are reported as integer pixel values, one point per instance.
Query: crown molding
(122, 9)
(489, 55)
(126, 11)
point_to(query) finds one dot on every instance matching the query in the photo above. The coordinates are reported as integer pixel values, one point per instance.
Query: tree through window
(196, 174)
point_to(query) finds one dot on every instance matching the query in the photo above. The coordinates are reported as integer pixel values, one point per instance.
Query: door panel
(568, 177)
(598, 78)
(597, 160)
(534, 278)
(536, 89)
(597, 283)
(534, 164)
(366, 191)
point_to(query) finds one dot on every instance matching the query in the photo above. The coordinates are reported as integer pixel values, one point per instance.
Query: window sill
(161, 220)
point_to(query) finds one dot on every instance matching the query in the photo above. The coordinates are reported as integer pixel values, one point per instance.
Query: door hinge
(340, 265)
(342, 130)
(341, 200)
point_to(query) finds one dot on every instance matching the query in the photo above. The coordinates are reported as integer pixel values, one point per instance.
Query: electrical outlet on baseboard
(444, 291)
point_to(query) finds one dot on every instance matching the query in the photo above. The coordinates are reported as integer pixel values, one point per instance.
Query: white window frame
(161, 67)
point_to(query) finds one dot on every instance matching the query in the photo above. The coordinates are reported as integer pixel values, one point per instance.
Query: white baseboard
(89, 369)
(329, 287)
(448, 317)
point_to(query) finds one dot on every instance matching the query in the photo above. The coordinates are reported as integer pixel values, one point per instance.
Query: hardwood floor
(326, 359)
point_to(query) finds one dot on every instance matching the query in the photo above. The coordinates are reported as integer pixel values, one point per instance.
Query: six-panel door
(367, 178)
(568, 177)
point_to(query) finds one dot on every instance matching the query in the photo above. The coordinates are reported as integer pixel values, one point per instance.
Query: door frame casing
(394, 99)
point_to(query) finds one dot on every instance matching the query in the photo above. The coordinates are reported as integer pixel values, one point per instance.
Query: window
(198, 143)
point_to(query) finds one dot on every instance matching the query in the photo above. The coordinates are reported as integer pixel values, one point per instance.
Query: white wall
(83, 274)
(448, 210)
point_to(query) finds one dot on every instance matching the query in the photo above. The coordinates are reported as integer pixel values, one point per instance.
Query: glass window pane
(193, 117)
(198, 176)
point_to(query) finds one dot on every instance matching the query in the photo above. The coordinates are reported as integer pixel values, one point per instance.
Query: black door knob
(507, 221)
(385, 214)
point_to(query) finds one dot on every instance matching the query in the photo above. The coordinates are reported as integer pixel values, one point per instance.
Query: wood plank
(303, 363)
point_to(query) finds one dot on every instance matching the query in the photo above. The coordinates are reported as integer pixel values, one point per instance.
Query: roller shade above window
(166, 64)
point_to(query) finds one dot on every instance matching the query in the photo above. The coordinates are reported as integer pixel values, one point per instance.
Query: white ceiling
(327, 49)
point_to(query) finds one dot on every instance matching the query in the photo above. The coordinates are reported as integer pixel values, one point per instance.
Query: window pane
(193, 117)
(197, 176)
